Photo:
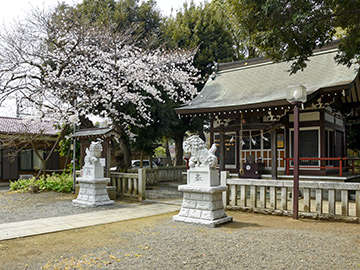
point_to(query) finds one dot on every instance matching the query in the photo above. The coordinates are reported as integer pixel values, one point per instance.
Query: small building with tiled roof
(12, 125)
(17, 157)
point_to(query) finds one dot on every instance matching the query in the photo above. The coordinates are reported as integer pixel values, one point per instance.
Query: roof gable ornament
(276, 117)
(215, 69)
(222, 122)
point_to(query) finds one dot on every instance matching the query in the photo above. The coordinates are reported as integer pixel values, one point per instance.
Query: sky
(11, 10)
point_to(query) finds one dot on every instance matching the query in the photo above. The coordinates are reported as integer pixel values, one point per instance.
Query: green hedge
(55, 182)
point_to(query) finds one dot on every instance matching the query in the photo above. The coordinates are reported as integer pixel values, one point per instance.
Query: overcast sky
(17, 9)
(10, 9)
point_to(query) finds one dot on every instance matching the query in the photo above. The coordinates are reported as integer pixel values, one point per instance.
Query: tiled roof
(95, 132)
(259, 82)
(10, 125)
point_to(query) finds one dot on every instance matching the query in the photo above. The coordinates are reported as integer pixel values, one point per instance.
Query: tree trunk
(43, 161)
(141, 158)
(179, 152)
(85, 122)
(59, 138)
(67, 157)
(150, 161)
(125, 148)
(124, 145)
(168, 156)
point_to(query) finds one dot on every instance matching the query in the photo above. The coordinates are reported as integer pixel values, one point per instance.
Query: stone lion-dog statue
(200, 155)
(93, 153)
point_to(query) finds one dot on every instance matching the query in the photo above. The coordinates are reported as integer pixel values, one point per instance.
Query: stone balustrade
(130, 184)
(324, 200)
(163, 173)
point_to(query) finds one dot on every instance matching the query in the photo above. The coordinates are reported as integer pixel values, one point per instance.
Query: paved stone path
(55, 224)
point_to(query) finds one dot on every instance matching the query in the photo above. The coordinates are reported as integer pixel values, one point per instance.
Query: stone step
(4, 184)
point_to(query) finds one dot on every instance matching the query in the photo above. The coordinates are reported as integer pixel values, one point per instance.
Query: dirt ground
(98, 247)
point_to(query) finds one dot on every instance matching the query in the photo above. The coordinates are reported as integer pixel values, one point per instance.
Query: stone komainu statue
(93, 153)
(200, 155)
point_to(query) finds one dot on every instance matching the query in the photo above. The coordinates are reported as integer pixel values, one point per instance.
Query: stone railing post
(142, 184)
(225, 195)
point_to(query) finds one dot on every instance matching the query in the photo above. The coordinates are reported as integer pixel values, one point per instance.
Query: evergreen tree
(291, 30)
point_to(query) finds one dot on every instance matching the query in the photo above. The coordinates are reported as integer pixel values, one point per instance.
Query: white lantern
(296, 93)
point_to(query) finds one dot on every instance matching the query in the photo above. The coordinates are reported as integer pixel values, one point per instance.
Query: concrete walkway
(55, 224)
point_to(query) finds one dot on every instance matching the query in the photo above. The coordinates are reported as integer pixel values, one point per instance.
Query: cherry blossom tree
(66, 68)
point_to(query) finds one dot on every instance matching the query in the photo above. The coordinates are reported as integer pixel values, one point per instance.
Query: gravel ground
(15, 206)
(252, 241)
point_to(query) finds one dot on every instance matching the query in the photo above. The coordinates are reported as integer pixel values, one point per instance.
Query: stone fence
(130, 184)
(331, 200)
(133, 184)
(163, 173)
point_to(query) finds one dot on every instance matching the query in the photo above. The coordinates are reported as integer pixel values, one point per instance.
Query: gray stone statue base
(93, 192)
(202, 206)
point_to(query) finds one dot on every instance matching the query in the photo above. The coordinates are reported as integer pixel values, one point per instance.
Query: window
(230, 142)
(29, 160)
(37, 163)
(26, 160)
(308, 146)
(256, 139)
(267, 140)
(280, 140)
(246, 140)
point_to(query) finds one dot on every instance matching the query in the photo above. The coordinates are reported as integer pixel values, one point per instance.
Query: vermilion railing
(342, 164)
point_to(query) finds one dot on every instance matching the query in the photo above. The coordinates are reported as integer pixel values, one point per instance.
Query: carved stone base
(202, 206)
(93, 193)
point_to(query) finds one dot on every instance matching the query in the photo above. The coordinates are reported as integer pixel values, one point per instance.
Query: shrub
(54, 182)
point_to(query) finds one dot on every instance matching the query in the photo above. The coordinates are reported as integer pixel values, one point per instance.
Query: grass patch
(54, 182)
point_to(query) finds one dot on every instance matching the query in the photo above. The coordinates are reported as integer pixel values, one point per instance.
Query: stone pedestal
(93, 191)
(202, 206)
(203, 177)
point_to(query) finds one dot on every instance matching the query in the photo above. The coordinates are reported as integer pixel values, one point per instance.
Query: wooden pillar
(108, 156)
(344, 138)
(211, 132)
(322, 138)
(82, 151)
(237, 150)
(222, 149)
(273, 154)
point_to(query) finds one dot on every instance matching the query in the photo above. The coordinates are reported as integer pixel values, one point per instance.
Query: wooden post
(322, 135)
(82, 151)
(211, 132)
(296, 163)
(222, 149)
(273, 154)
(108, 157)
